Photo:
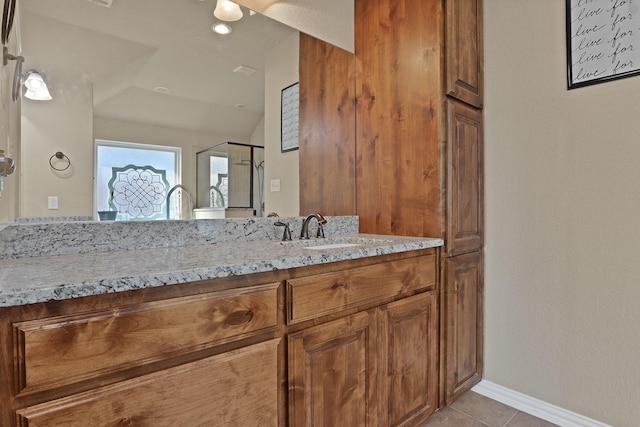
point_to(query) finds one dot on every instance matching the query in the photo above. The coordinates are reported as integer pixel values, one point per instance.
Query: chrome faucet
(304, 232)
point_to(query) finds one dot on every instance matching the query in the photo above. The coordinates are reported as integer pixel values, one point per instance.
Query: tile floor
(475, 410)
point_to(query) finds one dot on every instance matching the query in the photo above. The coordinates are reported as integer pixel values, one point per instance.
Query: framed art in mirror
(290, 110)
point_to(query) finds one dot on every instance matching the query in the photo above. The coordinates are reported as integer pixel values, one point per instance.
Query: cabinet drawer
(65, 349)
(237, 388)
(322, 294)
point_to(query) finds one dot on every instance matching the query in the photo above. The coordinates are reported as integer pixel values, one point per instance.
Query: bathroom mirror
(111, 80)
(229, 182)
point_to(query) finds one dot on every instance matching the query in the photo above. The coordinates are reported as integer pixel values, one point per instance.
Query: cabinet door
(333, 373)
(464, 295)
(465, 187)
(464, 51)
(237, 388)
(411, 343)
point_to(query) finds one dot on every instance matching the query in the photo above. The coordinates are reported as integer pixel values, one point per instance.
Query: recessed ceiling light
(244, 69)
(105, 3)
(161, 89)
(221, 28)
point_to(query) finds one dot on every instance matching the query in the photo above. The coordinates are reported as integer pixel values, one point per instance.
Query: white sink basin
(335, 242)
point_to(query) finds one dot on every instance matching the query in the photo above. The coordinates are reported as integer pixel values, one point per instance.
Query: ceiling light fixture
(244, 69)
(36, 88)
(221, 28)
(227, 11)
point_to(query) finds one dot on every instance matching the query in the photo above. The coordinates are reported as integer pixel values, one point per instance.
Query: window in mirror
(219, 181)
(135, 179)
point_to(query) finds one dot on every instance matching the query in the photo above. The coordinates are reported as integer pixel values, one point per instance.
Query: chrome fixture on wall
(17, 73)
(7, 165)
(66, 162)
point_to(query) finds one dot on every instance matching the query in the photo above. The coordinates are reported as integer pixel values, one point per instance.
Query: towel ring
(60, 156)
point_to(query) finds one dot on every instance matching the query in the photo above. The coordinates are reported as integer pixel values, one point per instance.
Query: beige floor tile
(447, 417)
(525, 420)
(490, 412)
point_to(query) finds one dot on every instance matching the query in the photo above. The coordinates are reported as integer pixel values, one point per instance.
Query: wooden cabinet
(211, 391)
(349, 343)
(326, 128)
(323, 294)
(62, 350)
(419, 140)
(374, 367)
(410, 371)
(464, 316)
(333, 373)
(465, 187)
(162, 356)
(464, 51)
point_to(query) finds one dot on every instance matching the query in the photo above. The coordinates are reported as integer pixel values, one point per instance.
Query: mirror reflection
(230, 181)
(144, 72)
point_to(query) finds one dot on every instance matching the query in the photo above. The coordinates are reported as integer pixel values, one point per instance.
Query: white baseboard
(535, 407)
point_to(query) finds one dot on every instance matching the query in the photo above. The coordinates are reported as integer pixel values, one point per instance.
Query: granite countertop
(39, 279)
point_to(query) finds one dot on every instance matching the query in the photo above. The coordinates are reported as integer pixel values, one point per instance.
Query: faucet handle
(320, 232)
(286, 235)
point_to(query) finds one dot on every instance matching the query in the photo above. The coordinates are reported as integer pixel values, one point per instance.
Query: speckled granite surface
(37, 279)
(18, 240)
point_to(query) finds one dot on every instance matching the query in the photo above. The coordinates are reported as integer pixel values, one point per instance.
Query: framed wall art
(290, 106)
(603, 41)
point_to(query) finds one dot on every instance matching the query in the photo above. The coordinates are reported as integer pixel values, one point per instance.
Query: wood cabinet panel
(333, 375)
(398, 47)
(64, 349)
(465, 183)
(237, 388)
(464, 323)
(327, 128)
(411, 347)
(464, 51)
(322, 294)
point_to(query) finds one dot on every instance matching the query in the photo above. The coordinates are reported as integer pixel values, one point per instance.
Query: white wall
(63, 124)
(562, 221)
(281, 70)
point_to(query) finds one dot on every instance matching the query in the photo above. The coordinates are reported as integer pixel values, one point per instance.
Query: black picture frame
(289, 114)
(602, 41)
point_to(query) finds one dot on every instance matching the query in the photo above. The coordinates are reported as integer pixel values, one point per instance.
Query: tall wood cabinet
(419, 153)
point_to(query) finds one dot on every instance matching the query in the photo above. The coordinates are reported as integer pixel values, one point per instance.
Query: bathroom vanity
(336, 331)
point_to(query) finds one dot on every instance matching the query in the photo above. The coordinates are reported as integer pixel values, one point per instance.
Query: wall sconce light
(34, 83)
(227, 11)
(36, 88)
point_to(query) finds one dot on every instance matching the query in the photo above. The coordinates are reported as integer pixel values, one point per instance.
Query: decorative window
(139, 192)
(134, 179)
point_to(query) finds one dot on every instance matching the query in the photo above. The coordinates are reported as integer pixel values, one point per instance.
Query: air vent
(243, 69)
(105, 3)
